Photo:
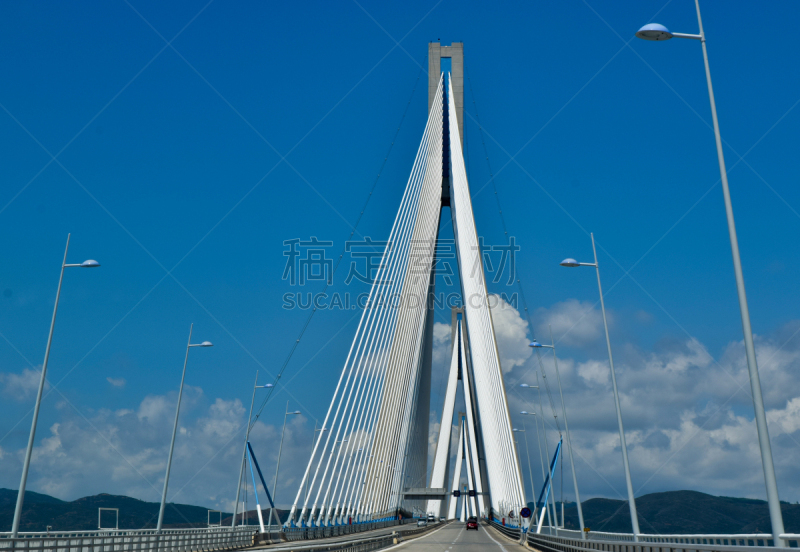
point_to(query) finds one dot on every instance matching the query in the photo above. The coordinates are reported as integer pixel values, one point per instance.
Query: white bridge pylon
(467, 444)
(373, 448)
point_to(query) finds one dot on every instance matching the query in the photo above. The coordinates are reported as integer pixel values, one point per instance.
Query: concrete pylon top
(456, 54)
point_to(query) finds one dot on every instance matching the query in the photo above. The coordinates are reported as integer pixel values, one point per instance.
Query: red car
(472, 523)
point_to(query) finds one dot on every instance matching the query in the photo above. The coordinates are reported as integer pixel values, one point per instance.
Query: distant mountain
(9, 497)
(684, 512)
(661, 513)
(41, 510)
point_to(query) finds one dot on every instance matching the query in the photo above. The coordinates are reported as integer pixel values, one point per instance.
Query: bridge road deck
(311, 543)
(447, 538)
(455, 538)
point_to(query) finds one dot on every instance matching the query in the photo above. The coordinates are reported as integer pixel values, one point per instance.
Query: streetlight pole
(541, 463)
(654, 31)
(624, 446)
(278, 466)
(528, 455)
(549, 507)
(29, 451)
(554, 517)
(175, 427)
(244, 449)
(566, 426)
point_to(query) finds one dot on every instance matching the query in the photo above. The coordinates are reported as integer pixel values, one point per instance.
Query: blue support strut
(546, 488)
(258, 469)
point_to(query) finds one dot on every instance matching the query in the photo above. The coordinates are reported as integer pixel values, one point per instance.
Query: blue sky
(171, 158)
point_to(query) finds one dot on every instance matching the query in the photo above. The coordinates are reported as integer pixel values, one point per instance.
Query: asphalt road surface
(300, 544)
(455, 538)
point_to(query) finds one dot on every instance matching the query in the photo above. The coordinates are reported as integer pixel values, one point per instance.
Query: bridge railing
(510, 532)
(570, 541)
(309, 533)
(173, 540)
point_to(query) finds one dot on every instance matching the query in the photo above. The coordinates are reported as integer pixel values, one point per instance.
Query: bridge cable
(362, 362)
(505, 232)
(339, 260)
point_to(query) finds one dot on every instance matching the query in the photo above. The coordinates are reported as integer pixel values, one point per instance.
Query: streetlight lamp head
(570, 263)
(268, 385)
(654, 31)
(90, 264)
(295, 412)
(524, 385)
(206, 344)
(535, 343)
(523, 412)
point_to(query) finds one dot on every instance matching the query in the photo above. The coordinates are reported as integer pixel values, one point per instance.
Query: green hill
(42, 510)
(684, 512)
(661, 513)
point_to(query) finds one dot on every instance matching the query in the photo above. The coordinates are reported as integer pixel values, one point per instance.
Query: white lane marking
(494, 541)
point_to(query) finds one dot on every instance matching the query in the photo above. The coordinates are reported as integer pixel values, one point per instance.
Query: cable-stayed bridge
(368, 471)
(374, 452)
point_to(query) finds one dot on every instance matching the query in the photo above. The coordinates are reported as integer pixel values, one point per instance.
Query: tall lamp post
(624, 446)
(278, 466)
(189, 345)
(26, 464)
(528, 454)
(657, 32)
(535, 344)
(550, 511)
(244, 449)
(524, 429)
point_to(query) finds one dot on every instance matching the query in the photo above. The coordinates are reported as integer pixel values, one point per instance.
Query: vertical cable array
(369, 418)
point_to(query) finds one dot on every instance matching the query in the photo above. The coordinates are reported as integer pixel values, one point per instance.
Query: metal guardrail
(366, 544)
(174, 540)
(309, 533)
(510, 532)
(199, 540)
(570, 541)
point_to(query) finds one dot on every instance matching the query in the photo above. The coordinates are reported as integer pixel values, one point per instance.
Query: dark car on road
(472, 523)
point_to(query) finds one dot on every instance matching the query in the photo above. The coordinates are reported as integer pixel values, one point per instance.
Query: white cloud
(574, 323)
(441, 333)
(441, 344)
(153, 408)
(124, 452)
(511, 332)
(23, 385)
(786, 419)
(116, 382)
(680, 360)
(595, 372)
(688, 416)
(688, 420)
